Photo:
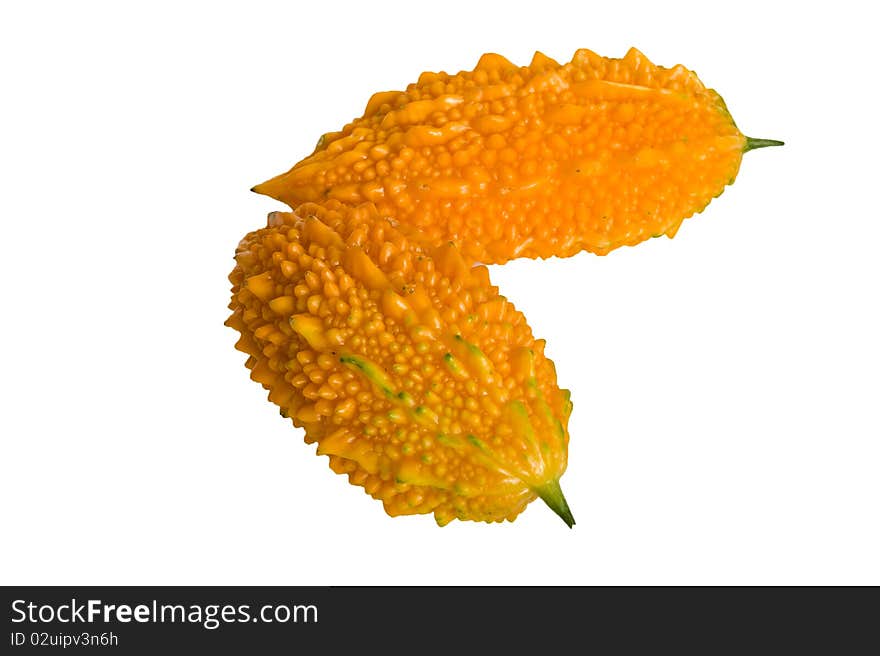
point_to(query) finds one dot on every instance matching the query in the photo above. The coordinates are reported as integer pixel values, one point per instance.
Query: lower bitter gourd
(403, 363)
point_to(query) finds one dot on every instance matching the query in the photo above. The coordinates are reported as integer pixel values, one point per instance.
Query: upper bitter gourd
(532, 161)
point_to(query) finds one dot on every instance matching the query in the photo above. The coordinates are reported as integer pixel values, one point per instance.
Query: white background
(725, 383)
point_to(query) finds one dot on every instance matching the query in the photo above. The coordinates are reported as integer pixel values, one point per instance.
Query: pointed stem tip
(551, 494)
(753, 144)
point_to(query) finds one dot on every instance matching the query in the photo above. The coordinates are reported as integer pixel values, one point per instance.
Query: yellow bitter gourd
(537, 161)
(403, 363)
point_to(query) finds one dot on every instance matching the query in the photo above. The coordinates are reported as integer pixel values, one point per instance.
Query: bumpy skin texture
(538, 161)
(402, 362)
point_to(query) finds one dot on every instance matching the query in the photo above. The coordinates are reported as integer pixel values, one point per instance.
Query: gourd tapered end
(754, 144)
(551, 494)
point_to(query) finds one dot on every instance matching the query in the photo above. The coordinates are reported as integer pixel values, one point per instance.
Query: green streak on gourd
(479, 361)
(373, 372)
(454, 365)
(548, 413)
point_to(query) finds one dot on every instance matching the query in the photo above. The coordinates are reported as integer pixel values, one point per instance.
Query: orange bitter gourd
(402, 362)
(545, 160)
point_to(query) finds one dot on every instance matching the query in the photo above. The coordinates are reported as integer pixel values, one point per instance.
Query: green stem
(552, 495)
(752, 144)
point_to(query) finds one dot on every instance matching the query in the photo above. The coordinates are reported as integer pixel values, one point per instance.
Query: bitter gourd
(402, 362)
(532, 161)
